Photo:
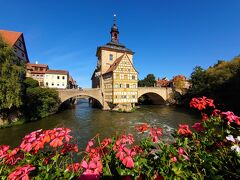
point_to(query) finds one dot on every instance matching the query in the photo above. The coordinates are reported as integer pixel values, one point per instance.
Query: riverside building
(16, 41)
(115, 74)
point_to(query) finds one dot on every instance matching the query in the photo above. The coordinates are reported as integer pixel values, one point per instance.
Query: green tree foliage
(221, 82)
(41, 102)
(11, 77)
(30, 83)
(148, 81)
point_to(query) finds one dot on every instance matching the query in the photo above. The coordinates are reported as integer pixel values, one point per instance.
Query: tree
(30, 83)
(179, 82)
(148, 81)
(41, 102)
(11, 77)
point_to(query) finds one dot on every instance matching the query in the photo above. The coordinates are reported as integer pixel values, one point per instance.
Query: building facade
(36, 71)
(115, 74)
(16, 41)
(58, 79)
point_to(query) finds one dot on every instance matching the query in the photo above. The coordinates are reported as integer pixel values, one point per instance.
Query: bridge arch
(151, 98)
(94, 94)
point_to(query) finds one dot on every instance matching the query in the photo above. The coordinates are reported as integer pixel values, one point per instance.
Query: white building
(56, 79)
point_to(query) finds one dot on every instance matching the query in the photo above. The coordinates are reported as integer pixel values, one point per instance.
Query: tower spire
(114, 30)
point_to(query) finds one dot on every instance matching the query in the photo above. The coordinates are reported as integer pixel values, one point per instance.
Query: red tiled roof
(114, 65)
(50, 71)
(36, 65)
(10, 36)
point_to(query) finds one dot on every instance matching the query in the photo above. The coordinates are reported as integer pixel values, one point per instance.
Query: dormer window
(110, 57)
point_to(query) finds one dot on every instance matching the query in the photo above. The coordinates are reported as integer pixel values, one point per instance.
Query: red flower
(184, 130)
(141, 127)
(14, 156)
(230, 117)
(156, 133)
(21, 172)
(75, 167)
(57, 142)
(204, 117)
(198, 126)
(201, 103)
(128, 162)
(69, 147)
(216, 113)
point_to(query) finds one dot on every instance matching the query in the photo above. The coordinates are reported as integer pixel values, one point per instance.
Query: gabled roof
(117, 62)
(114, 65)
(10, 36)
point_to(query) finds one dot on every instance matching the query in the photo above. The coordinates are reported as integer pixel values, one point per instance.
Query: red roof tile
(63, 72)
(10, 36)
(36, 65)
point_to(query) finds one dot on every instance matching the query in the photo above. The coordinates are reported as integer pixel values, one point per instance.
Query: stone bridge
(156, 94)
(95, 93)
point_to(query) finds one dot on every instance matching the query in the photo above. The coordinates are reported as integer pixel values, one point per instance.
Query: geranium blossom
(198, 126)
(75, 167)
(156, 133)
(3, 150)
(21, 172)
(181, 152)
(216, 113)
(184, 130)
(14, 156)
(94, 167)
(141, 127)
(69, 147)
(201, 103)
(230, 117)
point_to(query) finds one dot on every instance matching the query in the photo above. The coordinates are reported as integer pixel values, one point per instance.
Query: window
(133, 77)
(57, 84)
(133, 96)
(62, 84)
(110, 57)
(127, 85)
(125, 76)
(41, 69)
(52, 84)
(46, 83)
(58, 77)
(35, 68)
(120, 85)
(23, 54)
(63, 77)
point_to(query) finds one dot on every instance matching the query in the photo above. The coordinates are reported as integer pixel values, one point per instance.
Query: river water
(85, 122)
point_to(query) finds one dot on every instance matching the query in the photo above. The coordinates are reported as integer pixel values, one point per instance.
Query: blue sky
(169, 37)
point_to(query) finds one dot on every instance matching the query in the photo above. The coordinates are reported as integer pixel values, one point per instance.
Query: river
(85, 122)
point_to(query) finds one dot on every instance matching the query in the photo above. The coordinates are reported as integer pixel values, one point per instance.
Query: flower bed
(210, 151)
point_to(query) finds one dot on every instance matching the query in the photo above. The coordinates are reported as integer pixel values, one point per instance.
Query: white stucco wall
(58, 81)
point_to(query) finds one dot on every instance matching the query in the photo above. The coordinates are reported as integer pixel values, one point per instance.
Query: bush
(210, 152)
(41, 102)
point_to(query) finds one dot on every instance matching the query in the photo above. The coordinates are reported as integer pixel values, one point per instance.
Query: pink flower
(128, 162)
(90, 144)
(93, 168)
(204, 117)
(181, 152)
(216, 113)
(174, 159)
(198, 126)
(21, 172)
(230, 117)
(3, 150)
(156, 133)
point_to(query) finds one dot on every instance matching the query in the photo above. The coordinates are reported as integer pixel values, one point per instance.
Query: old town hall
(115, 74)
